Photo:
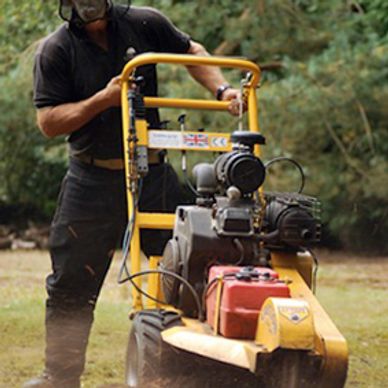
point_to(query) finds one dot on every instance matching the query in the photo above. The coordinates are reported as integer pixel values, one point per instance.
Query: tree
(322, 102)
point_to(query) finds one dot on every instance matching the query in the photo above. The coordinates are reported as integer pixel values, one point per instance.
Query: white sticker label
(186, 140)
(161, 139)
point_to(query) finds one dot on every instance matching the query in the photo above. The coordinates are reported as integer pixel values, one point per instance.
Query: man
(77, 93)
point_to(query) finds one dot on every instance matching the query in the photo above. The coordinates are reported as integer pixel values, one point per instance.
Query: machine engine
(232, 224)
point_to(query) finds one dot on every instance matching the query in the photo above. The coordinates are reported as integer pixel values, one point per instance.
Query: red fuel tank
(243, 293)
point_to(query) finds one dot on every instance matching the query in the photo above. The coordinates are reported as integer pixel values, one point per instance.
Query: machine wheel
(150, 362)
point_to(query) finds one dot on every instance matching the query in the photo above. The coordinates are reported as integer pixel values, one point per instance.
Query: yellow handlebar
(191, 60)
(194, 60)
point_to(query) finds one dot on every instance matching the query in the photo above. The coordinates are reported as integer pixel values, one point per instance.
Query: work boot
(67, 333)
(42, 381)
(45, 381)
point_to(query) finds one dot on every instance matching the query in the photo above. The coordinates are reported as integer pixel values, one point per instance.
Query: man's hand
(67, 118)
(234, 96)
(113, 91)
(211, 78)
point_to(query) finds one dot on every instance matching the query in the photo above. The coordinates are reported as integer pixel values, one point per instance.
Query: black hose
(186, 177)
(267, 237)
(295, 163)
(127, 247)
(145, 293)
(128, 234)
(174, 275)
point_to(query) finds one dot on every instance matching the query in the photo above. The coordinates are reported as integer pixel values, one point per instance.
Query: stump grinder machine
(230, 303)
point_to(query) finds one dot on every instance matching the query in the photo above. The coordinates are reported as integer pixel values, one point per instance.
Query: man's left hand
(234, 96)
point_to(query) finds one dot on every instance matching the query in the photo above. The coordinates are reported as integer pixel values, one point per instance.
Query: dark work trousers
(89, 222)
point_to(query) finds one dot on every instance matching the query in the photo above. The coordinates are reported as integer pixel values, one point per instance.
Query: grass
(22, 296)
(353, 291)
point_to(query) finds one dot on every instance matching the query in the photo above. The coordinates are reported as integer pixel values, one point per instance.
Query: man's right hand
(113, 91)
(69, 117)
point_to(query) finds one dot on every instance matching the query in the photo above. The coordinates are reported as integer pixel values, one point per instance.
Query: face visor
(90, 10)
(83, 11)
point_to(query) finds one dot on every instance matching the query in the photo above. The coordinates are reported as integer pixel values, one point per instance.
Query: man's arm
(211, 78)
(66, 118)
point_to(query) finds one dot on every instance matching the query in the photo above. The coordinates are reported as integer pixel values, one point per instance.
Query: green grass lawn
(353, 291)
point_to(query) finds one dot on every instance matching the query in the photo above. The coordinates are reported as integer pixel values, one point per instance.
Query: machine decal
(294, 314)
(219, 142)
(269, 319)
(200, 140)
(161, 139)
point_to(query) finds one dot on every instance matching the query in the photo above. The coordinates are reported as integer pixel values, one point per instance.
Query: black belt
(154, 157)
(110, 164)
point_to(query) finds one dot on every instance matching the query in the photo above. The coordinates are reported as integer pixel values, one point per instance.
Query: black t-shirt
(69, 67)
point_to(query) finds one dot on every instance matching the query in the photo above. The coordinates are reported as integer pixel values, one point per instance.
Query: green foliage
(30, 166)
(22, 23)
(325, 106)
(336, 125)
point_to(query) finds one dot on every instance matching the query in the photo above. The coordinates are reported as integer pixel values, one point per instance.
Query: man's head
(87, 11)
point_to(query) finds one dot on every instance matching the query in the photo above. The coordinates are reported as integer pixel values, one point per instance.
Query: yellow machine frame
(318, 334)
(160, 220)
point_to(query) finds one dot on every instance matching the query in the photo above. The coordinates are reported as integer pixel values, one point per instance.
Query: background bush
(323, 102)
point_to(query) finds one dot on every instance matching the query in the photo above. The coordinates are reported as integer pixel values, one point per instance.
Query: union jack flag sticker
(197, 140)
